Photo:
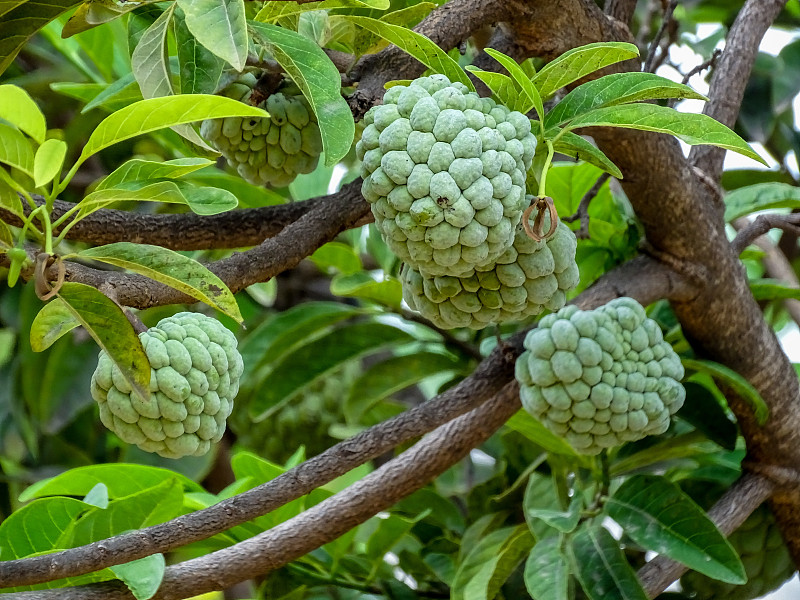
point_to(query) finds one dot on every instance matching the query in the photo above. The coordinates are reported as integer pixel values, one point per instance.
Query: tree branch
(641, 278)
(582, 214)
(750, 231)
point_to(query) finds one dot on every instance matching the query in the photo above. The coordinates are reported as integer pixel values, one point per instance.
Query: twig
(749, 231)
(738, 503)
(707, 64)
(649, 63)
(583, 208)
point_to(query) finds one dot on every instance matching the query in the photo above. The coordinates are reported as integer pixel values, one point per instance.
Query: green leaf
(490, 562)
(547, 571)
(220, 26)
(539, 434)
(418, 46)
(772, 289)
(201, 70)
(367, 42)
(8, 5)
(336, 256)
(92, 13)
(48, 161)
(275, 9)
(659, 516)
(731, 378)
(157, 113)
(579, 62)
(170, 268)
(201, 200)
(150, 58)
(601, 567)
(19, 24)
(315, 25)
(388, 292)
(303, 366)
(761, 196)
(529, 97)
(52, 322)
(123, 92)
(704, 411)
(140, 169)
(385, 378)
(98, 496)
(691, 128)
(501, 85)
(110, 328)
(143, 576)
(18, 108)
(564, 521)
(38, 526)
(612, 90)
(318, 79)
(9, 198)
(578, 148)
(15, 149)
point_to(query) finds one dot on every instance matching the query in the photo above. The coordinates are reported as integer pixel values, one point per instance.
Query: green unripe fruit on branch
(194, 377)
(600, 378)
(527, 278)
(765, 558)
(268, 151)
(444, 171)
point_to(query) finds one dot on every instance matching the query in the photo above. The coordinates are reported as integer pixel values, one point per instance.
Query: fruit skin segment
(194, 376)
(444, 171)
(271, 150)
(600, 378)
(527, 278)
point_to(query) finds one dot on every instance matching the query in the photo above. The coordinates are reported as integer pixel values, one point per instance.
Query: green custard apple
(273, 150)
(602, 377)
(194, 377)
(527, 278)
(444, 171)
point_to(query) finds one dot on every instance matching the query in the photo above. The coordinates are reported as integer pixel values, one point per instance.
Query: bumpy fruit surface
(765, 558)
(600, 378)
(194, 376)
(527, 278)
(444, 170)
(272, 150)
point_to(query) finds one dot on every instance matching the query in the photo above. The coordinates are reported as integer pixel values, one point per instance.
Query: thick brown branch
(641, 278)
(728, 514)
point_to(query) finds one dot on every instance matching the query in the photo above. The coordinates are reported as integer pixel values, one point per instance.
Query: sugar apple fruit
(268, 151)
(444, 171)
(765, 558)
(600, 378)
(194, 376)
(527, 278)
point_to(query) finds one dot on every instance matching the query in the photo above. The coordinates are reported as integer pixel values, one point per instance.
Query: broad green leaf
(15, 149)
(735, 381)
(157, 113)
(123, 92)
(121, 479)
(318, 79)
(389, 531)
(302, 367)
(18, 108)
(601, 567)
(691, 128)
(659, 516)
(529, 98)
(733, 179)
(98, 496)
(315, 25)
(110, 328)
(547, 571)
(275, 9)
(336, 256)
(761, 196)
(150, 58)
(9, 199)
(442, 511)
(8, 5)
(96, 12)
(48, 161)
(143, 576)
(388, 292)
(200, 199)
(6, 237)
(367, 42)
(502, 86)
(418, 46)
(615, 89)
(170, 268)
(579, 62)
(52, 322)
(140, 169)
(539, 434)
(490, 562)
(38, 526)
(220, 26)
(540, 494)
(201, 70)
(20, 23)
(385, 378)
(578, 148)
(564, 521)
(704, 411)
(150, 506)
(772, 289)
